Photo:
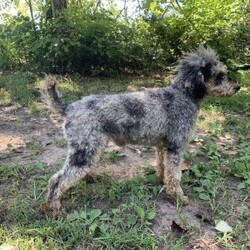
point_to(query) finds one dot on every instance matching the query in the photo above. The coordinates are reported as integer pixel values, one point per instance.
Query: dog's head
(203, 74)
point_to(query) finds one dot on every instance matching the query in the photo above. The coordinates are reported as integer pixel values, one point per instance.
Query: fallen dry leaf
(185, 166)
(205, 244)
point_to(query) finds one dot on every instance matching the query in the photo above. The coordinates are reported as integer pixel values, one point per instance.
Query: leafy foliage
(91, 39)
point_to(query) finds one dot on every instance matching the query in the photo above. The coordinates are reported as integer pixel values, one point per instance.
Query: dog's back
(139, 117)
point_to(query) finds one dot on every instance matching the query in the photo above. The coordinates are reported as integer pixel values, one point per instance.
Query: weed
(36, 107)
(113, 156)
(146, 149)
(240, 166)
(7, 172)
(5, 97)
(36, 148)
(62, 143)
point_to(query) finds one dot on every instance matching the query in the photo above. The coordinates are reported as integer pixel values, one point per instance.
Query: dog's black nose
(237, 88)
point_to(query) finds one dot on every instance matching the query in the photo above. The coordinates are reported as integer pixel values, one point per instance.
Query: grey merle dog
(163, 118)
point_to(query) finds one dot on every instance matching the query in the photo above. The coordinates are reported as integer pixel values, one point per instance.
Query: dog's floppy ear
(206, 70)
(196, 85)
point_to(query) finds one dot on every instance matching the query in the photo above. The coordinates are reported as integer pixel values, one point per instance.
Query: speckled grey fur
(163, 118)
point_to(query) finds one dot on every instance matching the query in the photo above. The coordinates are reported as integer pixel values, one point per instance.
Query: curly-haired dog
(159, 117)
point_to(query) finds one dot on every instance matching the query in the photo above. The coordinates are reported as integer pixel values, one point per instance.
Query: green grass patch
(111, 214)
(18, 88)
(238, 103)
(113, 156)
(243, 77)
(5, 97)
(124, 225)
(219, 176)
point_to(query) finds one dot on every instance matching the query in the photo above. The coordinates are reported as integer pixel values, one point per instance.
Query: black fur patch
(110, 127)
(165, 98)
(121, 129)
(130, 125)
(67, 125)
(78, 158)
(173, 148)
(198, 89)
(207, 72)
(91, 104)
(167, 95)
(81, 156)
(219, 78)
(134, 107)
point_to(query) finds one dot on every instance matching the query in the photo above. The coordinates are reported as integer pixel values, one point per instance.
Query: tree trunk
(58, 5)
(29, 3)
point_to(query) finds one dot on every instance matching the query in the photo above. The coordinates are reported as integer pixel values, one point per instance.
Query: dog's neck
(190, 88)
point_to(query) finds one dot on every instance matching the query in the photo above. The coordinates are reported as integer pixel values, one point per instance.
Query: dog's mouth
(233, 91)
(228, 93)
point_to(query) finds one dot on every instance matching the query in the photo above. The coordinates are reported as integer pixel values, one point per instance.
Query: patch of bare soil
(26, 138)
(23, 136)
(194, 220)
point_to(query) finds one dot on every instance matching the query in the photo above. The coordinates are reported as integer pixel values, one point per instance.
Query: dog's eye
(220, 78)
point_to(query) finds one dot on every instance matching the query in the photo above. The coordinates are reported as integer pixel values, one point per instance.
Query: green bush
(99, 41)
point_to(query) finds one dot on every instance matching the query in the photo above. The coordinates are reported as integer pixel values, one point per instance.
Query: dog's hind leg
(81, 158)
(172, 176)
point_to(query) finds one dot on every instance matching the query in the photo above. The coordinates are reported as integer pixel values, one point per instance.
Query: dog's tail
(50, 95)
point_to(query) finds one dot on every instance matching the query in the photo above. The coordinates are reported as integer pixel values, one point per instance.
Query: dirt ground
(22, 132)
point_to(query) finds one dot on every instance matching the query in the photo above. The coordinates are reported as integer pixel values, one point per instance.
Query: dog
(163, 118)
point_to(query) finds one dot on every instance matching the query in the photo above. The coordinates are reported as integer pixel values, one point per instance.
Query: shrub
(99, 41)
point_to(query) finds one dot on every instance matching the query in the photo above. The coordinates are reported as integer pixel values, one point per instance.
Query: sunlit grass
(36, 107)
(209, 116)
(20, 87)
(243, 76)
(5, 97)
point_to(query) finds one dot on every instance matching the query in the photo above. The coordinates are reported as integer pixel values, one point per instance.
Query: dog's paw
(45, 208)
(55, 212)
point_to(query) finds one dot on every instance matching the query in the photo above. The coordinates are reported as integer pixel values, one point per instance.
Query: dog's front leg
(172, 175)
(160, 164)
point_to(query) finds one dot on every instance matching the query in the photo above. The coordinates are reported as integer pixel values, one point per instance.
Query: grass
(113, 156)
(111, 214)
(17, 88)
(122, 226)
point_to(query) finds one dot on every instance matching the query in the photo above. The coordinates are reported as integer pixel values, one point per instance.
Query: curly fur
(163, 118)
